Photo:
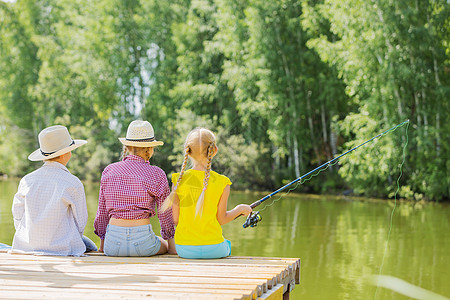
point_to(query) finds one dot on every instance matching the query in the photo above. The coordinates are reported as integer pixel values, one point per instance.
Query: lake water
(341, 242)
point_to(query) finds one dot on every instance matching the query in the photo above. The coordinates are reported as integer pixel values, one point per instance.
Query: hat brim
(140, 144)
(37, 155)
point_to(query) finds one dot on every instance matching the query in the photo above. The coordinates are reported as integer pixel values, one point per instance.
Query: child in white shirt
(49, 208)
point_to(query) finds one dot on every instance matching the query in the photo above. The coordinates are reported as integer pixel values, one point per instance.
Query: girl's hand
(172, 249)
(244, 209)
(102, 244)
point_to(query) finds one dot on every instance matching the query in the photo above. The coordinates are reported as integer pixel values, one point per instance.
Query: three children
(50, 211)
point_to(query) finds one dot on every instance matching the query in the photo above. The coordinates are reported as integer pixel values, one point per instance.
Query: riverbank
(260, 194)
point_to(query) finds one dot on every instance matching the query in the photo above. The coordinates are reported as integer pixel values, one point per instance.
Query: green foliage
(14, 145)
(245, 163)
(286, 85)
(392, 57)
(88, 161)
(377, 163)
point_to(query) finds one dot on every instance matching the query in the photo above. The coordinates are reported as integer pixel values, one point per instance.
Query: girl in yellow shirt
(199, 201)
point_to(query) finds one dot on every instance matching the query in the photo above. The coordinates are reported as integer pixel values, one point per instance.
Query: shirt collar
(132, 157)
(55, 164)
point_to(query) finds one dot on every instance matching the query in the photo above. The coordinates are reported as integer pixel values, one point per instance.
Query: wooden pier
(159, 277)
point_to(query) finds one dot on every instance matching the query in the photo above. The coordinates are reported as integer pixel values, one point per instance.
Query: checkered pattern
(50, 212)
(131, 189)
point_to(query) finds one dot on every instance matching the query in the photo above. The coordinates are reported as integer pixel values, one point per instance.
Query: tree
(386, 52)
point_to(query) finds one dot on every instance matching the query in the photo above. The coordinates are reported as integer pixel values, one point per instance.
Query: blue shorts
(90, 245)
(4, 247)
(131, 241)
(205, 251)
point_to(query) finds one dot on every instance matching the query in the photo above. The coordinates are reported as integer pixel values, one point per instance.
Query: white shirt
(50, 212)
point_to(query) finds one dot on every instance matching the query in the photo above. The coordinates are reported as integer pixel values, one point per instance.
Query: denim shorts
(131, 241)
(90, 245)
(4, 247)
(205, 251)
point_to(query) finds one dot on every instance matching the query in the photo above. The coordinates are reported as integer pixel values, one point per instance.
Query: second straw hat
(140, 134)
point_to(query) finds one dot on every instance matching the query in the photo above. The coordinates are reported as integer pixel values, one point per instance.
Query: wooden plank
(164, 276)
(161, 258)
(132, 284)
(256, 287)
(46, 293)
(149, 277)
(77, 296)
(279, 272)
(75, 274)
(64, 285)
(174, 266)
(297, 274)
(212, 282)
(126, 261)
(276, 293)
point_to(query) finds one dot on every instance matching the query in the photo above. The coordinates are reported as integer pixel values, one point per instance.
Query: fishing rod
(255, 217)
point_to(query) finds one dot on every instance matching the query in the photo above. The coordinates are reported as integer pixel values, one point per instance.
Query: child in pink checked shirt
(129, 192)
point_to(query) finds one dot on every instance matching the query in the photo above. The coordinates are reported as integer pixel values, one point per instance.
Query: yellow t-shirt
(205, 229)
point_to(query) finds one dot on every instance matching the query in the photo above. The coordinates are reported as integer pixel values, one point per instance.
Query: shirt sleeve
(226, 181)
(101, 219)
(175, 179)
(165, 218)
(18, 207)
(76, 199)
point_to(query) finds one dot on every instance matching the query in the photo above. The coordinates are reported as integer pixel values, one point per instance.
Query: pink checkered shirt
(130, 189)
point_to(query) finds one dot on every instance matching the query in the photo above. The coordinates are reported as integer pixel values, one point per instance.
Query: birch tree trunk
(291, 100)
(324, 131)
(311, 126)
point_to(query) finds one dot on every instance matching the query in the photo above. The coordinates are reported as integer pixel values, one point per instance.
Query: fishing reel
(252, 219)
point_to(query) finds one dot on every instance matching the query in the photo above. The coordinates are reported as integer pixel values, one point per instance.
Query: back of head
(200, 145)
(144, 152)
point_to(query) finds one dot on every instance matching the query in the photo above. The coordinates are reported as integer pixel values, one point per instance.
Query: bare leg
(164, 246)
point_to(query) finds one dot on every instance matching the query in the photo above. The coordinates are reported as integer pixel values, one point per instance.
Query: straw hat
(140, 134)
(53, 142)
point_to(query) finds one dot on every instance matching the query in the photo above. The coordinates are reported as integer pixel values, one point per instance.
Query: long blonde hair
(200, 146)
(143, 152)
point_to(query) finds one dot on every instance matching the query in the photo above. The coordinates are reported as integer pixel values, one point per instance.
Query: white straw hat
(140, 134)
(53, 142)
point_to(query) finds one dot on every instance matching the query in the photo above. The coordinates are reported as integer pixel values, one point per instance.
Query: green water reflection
(341, 242)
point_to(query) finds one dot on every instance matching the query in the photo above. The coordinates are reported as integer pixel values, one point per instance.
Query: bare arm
(171, 246)
(224, 216)
(102, 244)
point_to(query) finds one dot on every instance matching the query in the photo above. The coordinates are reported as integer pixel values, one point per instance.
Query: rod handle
(255, 204)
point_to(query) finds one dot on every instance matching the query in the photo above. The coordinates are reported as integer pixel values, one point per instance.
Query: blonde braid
(201, 199)
(183, 167)
(169, 200)
(124, 152)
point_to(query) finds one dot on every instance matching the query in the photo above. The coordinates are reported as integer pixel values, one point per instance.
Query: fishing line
(395, 205)
(319, 169)
(254, 217)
